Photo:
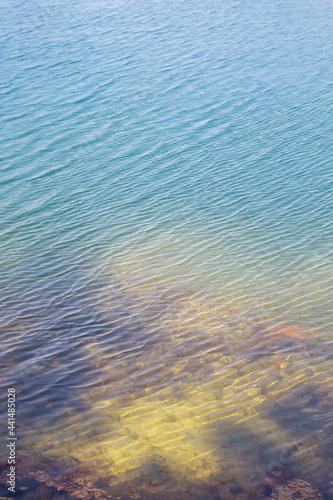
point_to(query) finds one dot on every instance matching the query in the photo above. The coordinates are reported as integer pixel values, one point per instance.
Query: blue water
(152, 148)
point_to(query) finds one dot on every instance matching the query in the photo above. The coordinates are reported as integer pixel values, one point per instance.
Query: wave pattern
(166, 240)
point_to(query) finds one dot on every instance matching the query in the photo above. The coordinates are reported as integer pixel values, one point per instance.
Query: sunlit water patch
(179, 388)
(166, 248)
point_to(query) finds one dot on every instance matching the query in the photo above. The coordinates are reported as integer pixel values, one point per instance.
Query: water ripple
(166, 241)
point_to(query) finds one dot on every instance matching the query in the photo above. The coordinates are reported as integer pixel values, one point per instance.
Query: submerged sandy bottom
(190, 395)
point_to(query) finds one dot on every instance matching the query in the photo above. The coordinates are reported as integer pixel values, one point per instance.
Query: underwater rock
(285, 487)
(79, 484)
(290, 331)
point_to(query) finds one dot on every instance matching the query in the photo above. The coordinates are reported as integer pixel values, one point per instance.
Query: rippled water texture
(166, 245)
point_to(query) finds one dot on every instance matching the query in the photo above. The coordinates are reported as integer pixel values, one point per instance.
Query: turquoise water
(166, 199)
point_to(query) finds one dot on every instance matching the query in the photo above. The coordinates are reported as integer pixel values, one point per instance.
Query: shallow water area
(197, 393)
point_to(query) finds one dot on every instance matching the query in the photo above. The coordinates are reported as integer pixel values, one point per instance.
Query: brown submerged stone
(285, 487)
(290, 331)
(80, 486)
(76, 482)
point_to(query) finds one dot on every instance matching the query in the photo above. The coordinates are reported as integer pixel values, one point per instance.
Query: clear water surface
(166, 241)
